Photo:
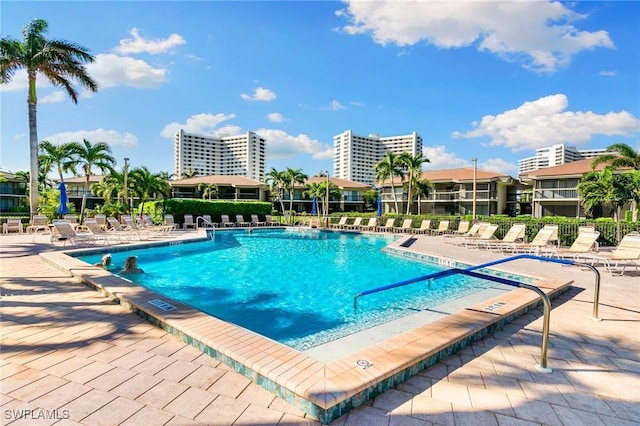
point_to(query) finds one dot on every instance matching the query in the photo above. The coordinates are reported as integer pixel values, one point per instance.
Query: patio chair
(255, 221)
(443, 228)
(94, 228)
(539, 242)
(188, 222)
(71, 218)
(425, 227)
(102, 221)
(388, 226)
(62, 231)
(269, 221)
(12, 225)
(627, 253)
(120, 229)
(341, 223)
(585, 242)
(483, 239)
(463, 228)
(140, 231)
(169, 221)
(240, 221)
(406, 227)
(371, 225)
(355, 225)
(516, 234)
(38, 224)
(225, 222)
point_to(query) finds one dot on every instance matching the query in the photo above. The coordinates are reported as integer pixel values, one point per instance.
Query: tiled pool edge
(324, 391)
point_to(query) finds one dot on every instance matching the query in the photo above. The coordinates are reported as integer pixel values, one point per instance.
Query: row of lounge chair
(205, 221)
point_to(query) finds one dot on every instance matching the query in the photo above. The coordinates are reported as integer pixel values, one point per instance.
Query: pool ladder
(471, 271)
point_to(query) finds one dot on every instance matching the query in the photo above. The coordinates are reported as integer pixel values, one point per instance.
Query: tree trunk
(409, 194)
(395, 199)
(84, 197)
(33, 148)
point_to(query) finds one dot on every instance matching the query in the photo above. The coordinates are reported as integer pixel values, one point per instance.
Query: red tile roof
(218, 180)
(574, 168)
(463, 174)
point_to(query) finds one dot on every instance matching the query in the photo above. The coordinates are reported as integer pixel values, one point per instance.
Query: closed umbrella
(62, 208)
(379, 211)
(314, 206)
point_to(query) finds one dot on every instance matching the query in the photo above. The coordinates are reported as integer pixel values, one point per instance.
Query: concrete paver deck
(71, 356)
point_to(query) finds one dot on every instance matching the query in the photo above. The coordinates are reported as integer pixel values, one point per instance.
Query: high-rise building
(354, 157)
(241, 155)
(556, 155)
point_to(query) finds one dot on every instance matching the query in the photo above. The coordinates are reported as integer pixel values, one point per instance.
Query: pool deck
(66, 347)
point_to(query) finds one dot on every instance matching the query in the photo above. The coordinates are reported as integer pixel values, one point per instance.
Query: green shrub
(178, 207)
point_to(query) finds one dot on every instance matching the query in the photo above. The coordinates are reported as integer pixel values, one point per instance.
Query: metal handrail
(471, 272)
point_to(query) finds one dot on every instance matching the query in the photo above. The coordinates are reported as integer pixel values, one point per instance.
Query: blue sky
(491, 80)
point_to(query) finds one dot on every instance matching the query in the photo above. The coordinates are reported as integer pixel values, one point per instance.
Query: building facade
(12, 193)
(556, 155)
(354, 157)
(240, 155)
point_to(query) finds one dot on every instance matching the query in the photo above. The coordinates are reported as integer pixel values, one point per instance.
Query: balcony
(556, 194)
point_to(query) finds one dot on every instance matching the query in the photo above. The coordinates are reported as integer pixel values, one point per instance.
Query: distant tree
(189, 174)
(147, 186)
(621, 156)
(389, 168)
(59, 61)
(58, 156)
(422, 189)
(275, 180)
(370, 197)
(208, 190)
(87, 156)
(412, 165)
(292, 177)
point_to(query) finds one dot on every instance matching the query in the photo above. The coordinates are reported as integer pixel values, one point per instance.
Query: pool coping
(325, 391)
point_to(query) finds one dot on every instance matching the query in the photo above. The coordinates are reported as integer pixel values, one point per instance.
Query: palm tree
(422, 189)
(189, 174)
(292, 177)
(88, 156)
(59, 61)
(621, 156)
(315, 190)
(413, 166)
(147, 186)
(208, 190)
(389, 168)
(58, 156)
(275, 180)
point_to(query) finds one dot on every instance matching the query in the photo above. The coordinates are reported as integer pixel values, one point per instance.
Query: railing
(471, 272)
(556, 193)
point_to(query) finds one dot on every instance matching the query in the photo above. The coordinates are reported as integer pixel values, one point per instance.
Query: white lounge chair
(62, 231)
(341, 223)
(483, 239)
(255, 221)
(425, 227)
(225, 222)
(443, 228)
(388, 226)
(585, 243)
(169, 221)
(516, 234)
(94, 228)
(188, 222)
(406, 227)
(627, 253)
(269, 221)
(370, 225)
(12, 225)
(240, 221)
(205, 221)
(356, 223)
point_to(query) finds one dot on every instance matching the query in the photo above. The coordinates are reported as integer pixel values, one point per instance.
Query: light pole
(475, 181)
(326, 217)
(125, 171)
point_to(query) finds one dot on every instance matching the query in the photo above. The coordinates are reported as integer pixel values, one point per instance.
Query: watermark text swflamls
(36, 414)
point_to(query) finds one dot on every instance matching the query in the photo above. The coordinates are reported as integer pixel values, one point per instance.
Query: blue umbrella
(314, 206)
(379, 212)
(62, 208)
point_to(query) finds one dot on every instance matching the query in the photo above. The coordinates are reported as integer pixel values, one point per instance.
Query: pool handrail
(471, 271)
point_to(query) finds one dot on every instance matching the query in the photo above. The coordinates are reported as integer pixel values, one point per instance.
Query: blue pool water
(294, 287)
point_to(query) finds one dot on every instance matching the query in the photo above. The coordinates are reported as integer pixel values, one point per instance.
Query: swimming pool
(295, 287)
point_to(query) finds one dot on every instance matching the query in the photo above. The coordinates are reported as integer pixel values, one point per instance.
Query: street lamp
(475, 181)
(125, 171)
(326, 217)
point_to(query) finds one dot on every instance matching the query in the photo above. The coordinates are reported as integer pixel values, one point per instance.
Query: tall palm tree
(275, 180)
(292, 177)
(422, 189)
(389, 168)
(60, 61)
(621, 156)
(208, 190)
(58, 156)
(413, 166)
(189, 174)
(147, 186)
(110, 185)
(87, 156)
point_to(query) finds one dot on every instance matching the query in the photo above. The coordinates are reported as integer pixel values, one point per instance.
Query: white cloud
(111, 137)
(356, 103)
(608, 73)
(499, 165)
(545, 122)
(260, 94)
(111, 70)
(138, 44)
(336, 106)
(53, 97)
(275, 117)
(204, 123)
(282, 145)
(20, 81)
(539, 34)
(440, 158)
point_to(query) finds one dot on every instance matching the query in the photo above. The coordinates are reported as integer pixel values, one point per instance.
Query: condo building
(240, 155)
(556, 155)
(354, 157)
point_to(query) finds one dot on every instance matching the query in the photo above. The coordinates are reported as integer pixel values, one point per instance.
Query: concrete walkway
(70, 356)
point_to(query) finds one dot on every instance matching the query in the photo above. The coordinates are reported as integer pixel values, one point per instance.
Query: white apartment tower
(556, 155)
(241, 155)
(354, 157)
